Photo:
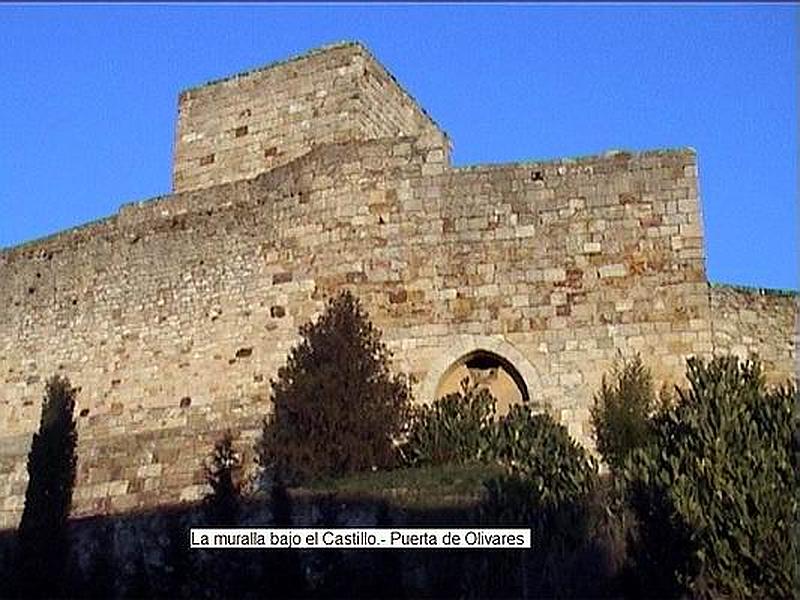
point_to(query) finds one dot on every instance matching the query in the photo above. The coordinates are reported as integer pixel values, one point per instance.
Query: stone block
(192, 493)
(146, 471)
(554, 274)
(614, 270)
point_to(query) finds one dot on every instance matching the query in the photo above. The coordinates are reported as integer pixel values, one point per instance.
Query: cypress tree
(52, 460)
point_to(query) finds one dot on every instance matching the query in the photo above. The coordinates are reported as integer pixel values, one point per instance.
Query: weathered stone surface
(757, 321)
(241, 126)
(173, 314)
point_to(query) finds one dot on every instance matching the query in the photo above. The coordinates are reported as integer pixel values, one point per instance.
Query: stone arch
(466, 348)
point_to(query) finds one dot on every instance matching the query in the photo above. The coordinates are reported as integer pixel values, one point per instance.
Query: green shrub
(547, 487)
(715, 493)
(223, 474)
(621, 411)
(454, 429)
(337, 408)
(535, 447)
(532, 447)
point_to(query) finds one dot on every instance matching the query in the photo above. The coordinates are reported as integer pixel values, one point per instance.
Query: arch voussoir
(463, 345)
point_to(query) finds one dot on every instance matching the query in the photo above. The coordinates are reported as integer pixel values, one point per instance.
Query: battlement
(238, 127)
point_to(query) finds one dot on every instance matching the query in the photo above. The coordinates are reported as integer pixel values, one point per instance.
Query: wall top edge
(755, 291)
(278, 63)
(316, 52)
(43, 240)
(603, 157)
(490, 167)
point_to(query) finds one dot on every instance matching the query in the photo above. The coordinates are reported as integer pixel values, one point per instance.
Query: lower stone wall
(133, 460)
(748, 321)
(125, 554)
(158, 461)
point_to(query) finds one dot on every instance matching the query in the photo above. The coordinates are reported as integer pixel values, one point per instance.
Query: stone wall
(172, 315)
(140, 551)
(241, 126)
(749, 322)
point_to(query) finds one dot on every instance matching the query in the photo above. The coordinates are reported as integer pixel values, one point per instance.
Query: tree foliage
(715, 492)
(454, 429)
(337, 407)
(621, 413)
(223, 476)
(534, 447)
(223, 576)
(52, 460)
(463, 427)
(548, 481)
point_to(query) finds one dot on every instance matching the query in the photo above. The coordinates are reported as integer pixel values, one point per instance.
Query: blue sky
(89, 93)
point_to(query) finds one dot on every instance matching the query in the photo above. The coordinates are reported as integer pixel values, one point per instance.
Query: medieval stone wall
(172, 315)
(749, 322)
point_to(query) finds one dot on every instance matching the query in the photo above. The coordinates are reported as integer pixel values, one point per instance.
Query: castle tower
(250, 123)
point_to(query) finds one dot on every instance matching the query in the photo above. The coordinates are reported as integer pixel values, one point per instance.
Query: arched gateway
(490, 362)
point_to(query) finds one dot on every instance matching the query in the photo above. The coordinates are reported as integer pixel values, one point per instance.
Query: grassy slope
(420, 487)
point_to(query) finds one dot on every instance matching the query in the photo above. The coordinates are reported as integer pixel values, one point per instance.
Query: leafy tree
(456, 428)
(534, 447)
(224, 575)
(337, 408)
(621, 412)
(52, 460)
(715, 493)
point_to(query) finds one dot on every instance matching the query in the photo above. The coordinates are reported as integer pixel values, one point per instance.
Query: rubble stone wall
(748, 322)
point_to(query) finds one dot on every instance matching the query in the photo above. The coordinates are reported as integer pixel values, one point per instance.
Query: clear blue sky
(88, 98)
